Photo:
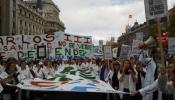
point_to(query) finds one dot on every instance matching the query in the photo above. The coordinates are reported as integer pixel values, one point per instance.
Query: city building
(130, 34)
(29, 17)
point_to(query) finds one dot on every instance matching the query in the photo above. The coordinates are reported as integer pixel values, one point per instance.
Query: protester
(94, 67)
(152, 67)
(131, 76)
(48, 69)
(39, 70)
(115, 80)
(31, 67)
(141, 75)
(84, 64)
(165, 87)
(155, 87)
(11, 78)
(104, 72)
(127, 79)
(25, 73)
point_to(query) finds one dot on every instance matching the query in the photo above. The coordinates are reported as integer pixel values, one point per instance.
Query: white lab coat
(150, 71)
(95, 69)
(132, 84)
(24, 75)
(48, 72)
(150, 89)
(84, 65)
(39, 73)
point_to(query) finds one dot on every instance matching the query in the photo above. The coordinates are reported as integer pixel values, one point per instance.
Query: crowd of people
(143, 77)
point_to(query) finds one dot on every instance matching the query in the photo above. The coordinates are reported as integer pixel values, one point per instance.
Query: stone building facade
(128, 37)
(29, 17)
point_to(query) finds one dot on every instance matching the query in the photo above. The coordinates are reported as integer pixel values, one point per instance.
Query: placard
(107, 52)
(156, 8)
(58, 44)
(171, 45)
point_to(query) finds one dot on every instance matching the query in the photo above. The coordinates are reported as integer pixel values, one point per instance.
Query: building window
(25, 13)
(20, 11)
(14, 14)
(20, 22)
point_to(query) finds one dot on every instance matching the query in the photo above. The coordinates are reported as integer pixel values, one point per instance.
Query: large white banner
(155, 8)
(171, 45)
(57, 45)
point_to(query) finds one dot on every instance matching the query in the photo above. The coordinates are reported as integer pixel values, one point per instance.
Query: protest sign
(171, 45)
(58, 44)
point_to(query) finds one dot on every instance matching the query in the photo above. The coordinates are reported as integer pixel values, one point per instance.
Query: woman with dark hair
(12, 79)
(115, 79)
(127, 79)
(48, 69)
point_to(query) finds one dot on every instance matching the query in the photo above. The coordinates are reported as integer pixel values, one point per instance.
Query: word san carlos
(57, 44)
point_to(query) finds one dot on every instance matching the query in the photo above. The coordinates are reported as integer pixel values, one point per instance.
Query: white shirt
(150, 71)
(150, 89)
(39, 73)
(48, 72)
(84, 65)
(25, 74)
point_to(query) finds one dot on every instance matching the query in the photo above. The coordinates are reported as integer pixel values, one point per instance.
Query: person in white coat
(94, 67)
(127, 79)
(151, 71)
(39, 71)
(85, 64)
(48, 69)
(11, 74)
(156, 86)
(24, 73)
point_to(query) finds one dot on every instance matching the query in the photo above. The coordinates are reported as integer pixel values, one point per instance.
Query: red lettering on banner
(67, 37)
(37, 39)
(10, 40)
(62, 43)
(77, 39)
(87, 40)
(1, 41)
(49, 38)
(12, 48)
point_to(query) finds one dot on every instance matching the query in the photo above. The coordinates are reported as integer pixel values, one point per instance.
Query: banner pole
(160, 42)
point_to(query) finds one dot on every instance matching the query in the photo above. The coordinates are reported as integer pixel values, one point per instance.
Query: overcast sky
(101, 19)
